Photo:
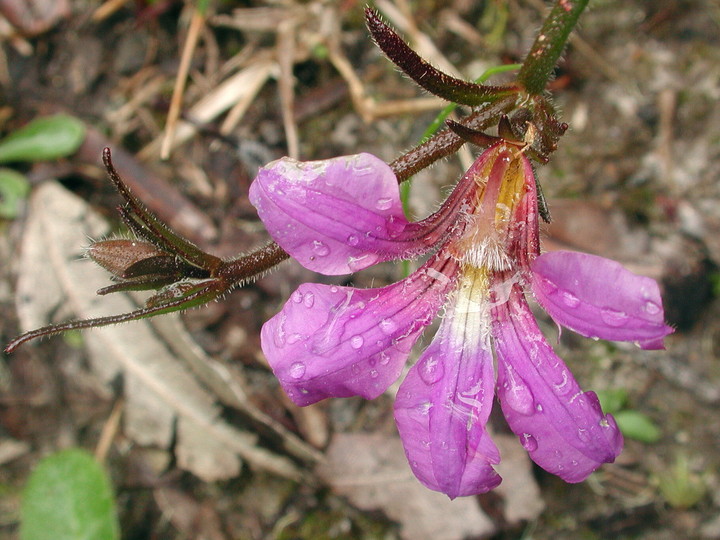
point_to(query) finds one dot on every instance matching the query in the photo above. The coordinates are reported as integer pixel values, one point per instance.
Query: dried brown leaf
(372, 472)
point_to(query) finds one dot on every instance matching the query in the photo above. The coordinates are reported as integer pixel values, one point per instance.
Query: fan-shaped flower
(341, 215)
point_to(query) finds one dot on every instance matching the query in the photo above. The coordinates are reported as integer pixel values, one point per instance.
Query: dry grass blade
(239, 88)
(196, 23)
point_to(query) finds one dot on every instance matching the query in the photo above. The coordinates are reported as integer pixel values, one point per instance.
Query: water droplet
(374, 373)
(651, 308)
(549, 286)
(570, 299)
(279, 334)
(294, 338)
(518, 396)
(394, 227)
(334, 289)
(309, 300)
(356, 342)
(613, 317)
(320, 248)
(297, 297)
(388, 326)
(384, 358)
(528, 442)
(383, 204)
(297, 370)
(431, 370)
(563, 386)
(358, 263)
(355, 368)
(403, 344)
(584, 435)
(353, 240)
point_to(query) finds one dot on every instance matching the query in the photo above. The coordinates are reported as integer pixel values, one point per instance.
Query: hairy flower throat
(492, 218)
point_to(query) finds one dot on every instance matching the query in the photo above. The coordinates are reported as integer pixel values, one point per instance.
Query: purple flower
(344, 214)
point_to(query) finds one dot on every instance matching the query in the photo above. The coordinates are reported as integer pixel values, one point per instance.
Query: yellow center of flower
(501, 186)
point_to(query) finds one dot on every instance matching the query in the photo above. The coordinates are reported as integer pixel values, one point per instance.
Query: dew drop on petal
(297, 297)
(519, 397)
(431, 370)
(320, 248)
(359, 263)
(279, 334)
(528, 442)
(563, 386)
(383, 204)
(297, 370)
(583, 435)
(394, 227)
(403, 344)
(294, 338)
(309, 300)
(549, 286)
(384, 359)
(356, 342)
(651, 308)
(374, 374)
(355, 368)
(353, 240)
(613, 317)
(570, 299)
(388, 326)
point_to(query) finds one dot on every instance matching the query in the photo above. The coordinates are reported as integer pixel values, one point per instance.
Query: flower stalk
(549, 44)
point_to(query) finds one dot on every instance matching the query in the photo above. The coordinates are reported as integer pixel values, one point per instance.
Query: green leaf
(612, 400)
(68, 497)
(680, 487)
(43, 139)
(14, 187)
(636, 425)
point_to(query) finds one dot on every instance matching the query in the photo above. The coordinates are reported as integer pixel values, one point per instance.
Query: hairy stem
(549, 44)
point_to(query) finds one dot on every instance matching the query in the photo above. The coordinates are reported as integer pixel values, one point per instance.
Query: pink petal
(335, 216)
(562, 427)
(597, 297)
(330, 341)
(443, 405)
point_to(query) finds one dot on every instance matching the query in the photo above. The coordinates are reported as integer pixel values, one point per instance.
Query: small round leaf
(69, 497)
(43, 139)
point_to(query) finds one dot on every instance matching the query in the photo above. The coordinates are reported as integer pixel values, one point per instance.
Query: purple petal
(562, 427)
(443, 405)
(597, 297)
(333, 341)
(335, 216)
